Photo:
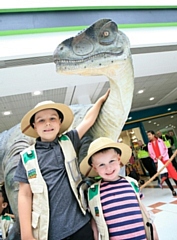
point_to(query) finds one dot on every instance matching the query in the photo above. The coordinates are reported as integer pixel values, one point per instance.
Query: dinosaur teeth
(91, 58)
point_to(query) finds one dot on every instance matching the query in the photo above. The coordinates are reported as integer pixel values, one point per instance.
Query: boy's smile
(107, 164)
(47, 124)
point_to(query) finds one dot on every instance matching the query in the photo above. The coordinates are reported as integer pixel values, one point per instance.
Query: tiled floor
(163, 207)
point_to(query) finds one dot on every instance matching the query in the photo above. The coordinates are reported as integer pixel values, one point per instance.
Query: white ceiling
(154, 53)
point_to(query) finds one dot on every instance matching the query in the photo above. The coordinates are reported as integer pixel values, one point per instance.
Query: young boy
(48, 202)
(114, 201)
(6, 217)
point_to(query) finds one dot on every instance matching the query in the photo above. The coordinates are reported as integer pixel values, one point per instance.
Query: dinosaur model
(99, 50)
(102, 50)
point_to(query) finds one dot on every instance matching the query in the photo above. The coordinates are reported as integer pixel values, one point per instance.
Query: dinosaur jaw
(92, 65)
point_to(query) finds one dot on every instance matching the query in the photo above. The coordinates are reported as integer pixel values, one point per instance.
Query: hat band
(89, 170)
(24, 130)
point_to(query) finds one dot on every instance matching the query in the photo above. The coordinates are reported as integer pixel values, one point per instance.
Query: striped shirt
(121, 211)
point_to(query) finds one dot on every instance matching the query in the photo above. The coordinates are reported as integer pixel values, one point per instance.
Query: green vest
(142, 154)
(40, 204)
(5, 223)
(167, 142)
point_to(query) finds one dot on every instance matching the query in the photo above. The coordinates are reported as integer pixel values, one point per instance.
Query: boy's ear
(94, 168)
(34, 126)
(4, 204)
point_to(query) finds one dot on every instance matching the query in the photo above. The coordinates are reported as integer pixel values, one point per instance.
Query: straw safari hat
(68, 116)
(97, 145)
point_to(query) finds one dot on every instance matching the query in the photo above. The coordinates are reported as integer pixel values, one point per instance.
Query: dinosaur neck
(115, 110)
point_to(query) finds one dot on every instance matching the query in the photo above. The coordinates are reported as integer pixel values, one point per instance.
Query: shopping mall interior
(29, 35)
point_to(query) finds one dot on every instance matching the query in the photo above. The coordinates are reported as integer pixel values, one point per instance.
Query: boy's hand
(105, 96)
(91, 115)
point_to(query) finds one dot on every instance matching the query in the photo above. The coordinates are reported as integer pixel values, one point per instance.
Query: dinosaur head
(92, 50)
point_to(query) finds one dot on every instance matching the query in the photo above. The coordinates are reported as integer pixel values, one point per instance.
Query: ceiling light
(140, 91)
(172, 116)
(169, 109)
(149, 122)
(7, 113)
(36, 93)
(154, 122)
(158, 124)
(129, 118)
(152, 98)
(133, 137)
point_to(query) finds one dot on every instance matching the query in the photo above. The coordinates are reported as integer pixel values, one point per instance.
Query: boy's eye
(53, 118)
(101, 165)
(112, 161)
(41, 120)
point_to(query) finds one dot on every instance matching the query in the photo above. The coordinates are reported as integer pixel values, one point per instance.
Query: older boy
(48, 203)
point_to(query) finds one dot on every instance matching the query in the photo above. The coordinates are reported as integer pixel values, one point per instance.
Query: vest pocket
(101, 231)
(36, 188)
(37, 191)
(35, 221)
(74, 170)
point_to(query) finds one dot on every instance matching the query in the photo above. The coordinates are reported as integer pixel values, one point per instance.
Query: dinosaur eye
(106, 37)
(105, 34)
(108, 33)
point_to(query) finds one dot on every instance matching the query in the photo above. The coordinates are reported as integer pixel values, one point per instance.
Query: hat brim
(126, 153)
(64, 109)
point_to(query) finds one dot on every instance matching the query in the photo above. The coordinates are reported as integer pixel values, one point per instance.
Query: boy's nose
(108, 167)
(47, 122)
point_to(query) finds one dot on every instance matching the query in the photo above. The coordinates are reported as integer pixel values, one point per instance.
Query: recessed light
(149, 122)
(7, 113)
(152, 98)
(158, 124)
(140, 91)
(154, 122)
(132, 132)
(129, 118)
(36, 93)
(169, 109)
(172, 116)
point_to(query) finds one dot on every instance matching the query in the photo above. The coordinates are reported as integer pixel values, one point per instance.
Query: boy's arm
(91, 116)
(94, 229)
(25, 211)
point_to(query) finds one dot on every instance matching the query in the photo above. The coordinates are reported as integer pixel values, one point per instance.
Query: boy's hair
(59, 114)
(117, 150)
(5, 199)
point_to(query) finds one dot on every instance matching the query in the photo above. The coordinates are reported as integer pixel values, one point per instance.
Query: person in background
(172, 134)
(147, 161)
(49, 205)
(168, 140)
(159, 153)
(114, 201)
(5, 212)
